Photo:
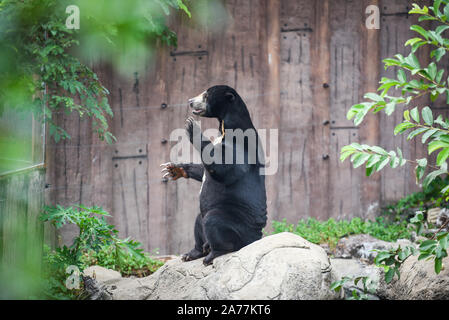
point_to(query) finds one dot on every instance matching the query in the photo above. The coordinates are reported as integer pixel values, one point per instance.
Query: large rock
(354, 268)
(418, 281)
(281, 266)
(363, 246)
(101, 274)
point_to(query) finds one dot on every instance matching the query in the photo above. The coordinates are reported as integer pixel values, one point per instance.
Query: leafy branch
(41, 60)
(413, 81)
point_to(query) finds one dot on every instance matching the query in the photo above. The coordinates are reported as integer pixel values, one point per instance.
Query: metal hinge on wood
(197, 53)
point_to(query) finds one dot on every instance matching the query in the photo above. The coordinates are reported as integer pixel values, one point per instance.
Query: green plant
(43, 63)
(391, 260)
(423, 80)
(97, 243)
(429, 197)
(369, 287)
(331, 231)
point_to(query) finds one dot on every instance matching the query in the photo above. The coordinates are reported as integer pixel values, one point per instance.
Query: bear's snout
(198, 104)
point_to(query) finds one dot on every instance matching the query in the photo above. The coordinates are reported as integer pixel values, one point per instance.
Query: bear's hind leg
(200, 242)
(221, 234)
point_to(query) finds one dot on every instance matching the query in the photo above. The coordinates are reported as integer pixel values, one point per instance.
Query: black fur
(233, 197)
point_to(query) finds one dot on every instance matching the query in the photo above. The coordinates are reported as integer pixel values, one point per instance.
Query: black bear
(233, 209)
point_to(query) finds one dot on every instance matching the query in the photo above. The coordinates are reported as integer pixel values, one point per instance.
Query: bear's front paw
(192, 128)
(171, 170)
(192, 255)
(206, 248)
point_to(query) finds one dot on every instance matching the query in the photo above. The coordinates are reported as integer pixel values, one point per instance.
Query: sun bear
(233, 209)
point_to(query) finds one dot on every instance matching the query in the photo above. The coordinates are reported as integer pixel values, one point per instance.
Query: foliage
(434, 248)
(41, 60)
(369, 287)
(429, 197)
(331, 231)
(423, 80)
(97, 243)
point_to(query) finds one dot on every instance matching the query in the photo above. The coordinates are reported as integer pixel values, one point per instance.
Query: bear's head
(221, 102)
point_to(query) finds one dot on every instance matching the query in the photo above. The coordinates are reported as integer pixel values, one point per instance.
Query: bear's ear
(230, 96)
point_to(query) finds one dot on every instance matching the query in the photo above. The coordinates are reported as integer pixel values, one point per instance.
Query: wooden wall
(299, 65)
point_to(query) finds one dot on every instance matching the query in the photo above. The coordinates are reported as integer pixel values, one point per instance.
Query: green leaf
(419, 173)
(354, 110)
(412, 41)
(413, 61)
(419, 216)
(378, 150)
(438, 53)
(394, 160)
(427, 245)
(442, 156)
(437, 144)
(415, 132)
(427, 115)
(446, 12)
(428, 134)
(389, 108)
(345, 155)
(432, 70)
(436, 8)
(415, 114)
(444, 243)
(431, 176)
(407, 115)
(382, 163)
(373, 96)
(438, 80)
(360, 159)
(403, 127)
(422, 162)
(401, 76)
(373, 160)
(420, 30)
(369, 171)
(438, 265)
(389, 275)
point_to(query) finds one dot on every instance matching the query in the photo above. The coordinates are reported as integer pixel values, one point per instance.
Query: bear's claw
(192, 255)
(171, 170)
(189, 126)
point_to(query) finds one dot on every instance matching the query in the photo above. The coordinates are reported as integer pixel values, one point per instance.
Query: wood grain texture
(394, 32)
(296, 112)
(318, 147)
(369, 132)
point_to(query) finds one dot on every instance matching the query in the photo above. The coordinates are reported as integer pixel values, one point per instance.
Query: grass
(330, 231)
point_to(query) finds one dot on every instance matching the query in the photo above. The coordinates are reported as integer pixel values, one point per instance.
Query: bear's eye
(230, 96)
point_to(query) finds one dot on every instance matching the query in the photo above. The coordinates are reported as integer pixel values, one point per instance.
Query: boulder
(354, 268)
(418, 281)
(280, 266)
(362, 246)
(101, 274)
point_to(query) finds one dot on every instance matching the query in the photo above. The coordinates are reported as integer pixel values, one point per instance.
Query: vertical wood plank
(394, 31)
(296, 110)
(318, 146)
(369, 132)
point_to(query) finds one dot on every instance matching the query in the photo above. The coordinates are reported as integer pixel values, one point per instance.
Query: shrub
(97, 243)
